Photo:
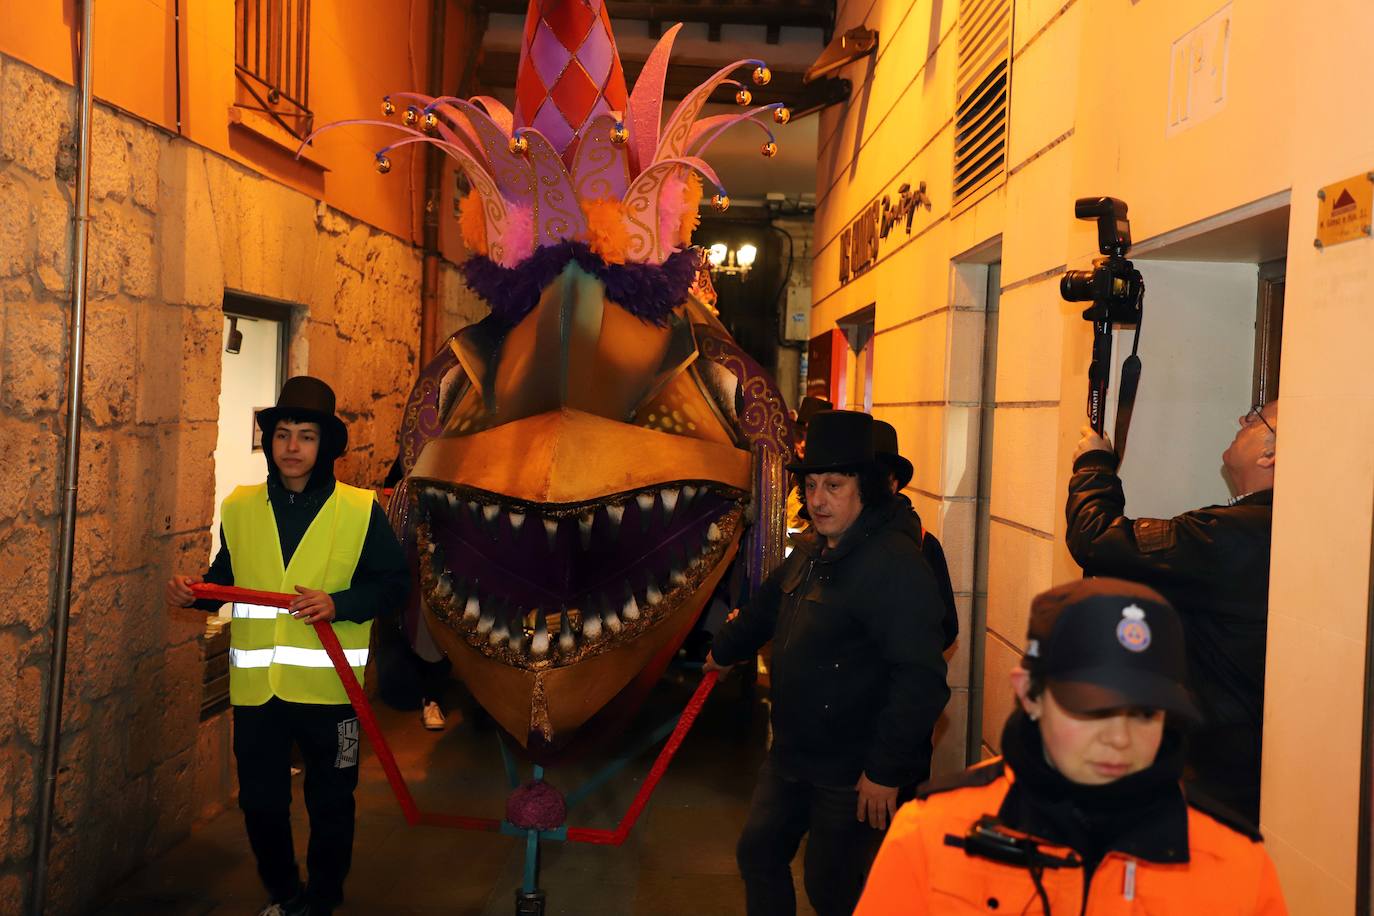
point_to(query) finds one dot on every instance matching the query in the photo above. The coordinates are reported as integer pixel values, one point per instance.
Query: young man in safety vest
(301, 531)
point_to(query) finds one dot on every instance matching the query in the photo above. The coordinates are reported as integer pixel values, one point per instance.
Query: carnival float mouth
(538, 586)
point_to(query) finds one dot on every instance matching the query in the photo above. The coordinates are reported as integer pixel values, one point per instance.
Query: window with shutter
(982, 93)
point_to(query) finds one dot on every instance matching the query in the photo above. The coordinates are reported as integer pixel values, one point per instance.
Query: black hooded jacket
(381, 579)
(934, 555)
(857, 674)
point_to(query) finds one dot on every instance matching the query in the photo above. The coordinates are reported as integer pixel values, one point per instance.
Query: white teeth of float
(645, 501)
(532, 634)
(612, 621)
(566, 641)
(539, 643)
(591, 624)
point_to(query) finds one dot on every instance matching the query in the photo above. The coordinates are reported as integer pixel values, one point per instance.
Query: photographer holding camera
(1211, 563)
(1213, 566)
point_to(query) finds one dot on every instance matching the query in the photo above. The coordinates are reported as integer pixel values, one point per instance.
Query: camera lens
(1076, 285)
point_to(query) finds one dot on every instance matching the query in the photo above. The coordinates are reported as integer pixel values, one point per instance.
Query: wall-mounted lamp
(235, 340)
(724, 260)
(844, 49)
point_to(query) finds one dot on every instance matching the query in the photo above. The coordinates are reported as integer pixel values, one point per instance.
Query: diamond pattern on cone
(575, 94)
(549, 56)
(529, 94)
(569, 69)
(596, 55)
(553, 126)
(570, 22)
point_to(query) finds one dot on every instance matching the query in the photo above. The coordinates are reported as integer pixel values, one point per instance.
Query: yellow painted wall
(1089, 116)
(359, 51)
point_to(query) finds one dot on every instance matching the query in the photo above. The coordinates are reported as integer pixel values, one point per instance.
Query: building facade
(945, 222)
(199, 208)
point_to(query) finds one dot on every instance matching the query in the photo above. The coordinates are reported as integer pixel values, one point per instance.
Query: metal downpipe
(52, 732)
(434, 169)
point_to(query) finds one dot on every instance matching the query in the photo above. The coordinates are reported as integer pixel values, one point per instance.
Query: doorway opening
(252, 370)
(975, 303)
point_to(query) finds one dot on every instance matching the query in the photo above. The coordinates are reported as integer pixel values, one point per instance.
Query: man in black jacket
(1213, 566)
(857, 677)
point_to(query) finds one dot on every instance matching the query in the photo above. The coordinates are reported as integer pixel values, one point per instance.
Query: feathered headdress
(581, 164)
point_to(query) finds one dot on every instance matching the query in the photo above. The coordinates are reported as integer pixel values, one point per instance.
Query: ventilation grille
(980, 139)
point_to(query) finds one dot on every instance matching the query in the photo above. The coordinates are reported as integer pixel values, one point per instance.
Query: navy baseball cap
(1103, 644)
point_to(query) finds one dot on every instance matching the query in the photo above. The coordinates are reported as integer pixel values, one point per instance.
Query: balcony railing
(272, 60)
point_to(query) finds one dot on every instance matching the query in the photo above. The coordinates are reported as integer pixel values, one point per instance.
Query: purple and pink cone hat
(581, 159)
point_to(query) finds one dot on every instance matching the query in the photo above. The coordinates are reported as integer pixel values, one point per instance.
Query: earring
(1034, 717)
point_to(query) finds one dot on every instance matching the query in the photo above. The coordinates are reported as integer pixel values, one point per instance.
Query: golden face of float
(579, 508)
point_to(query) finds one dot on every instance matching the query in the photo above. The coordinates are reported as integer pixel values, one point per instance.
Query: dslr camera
(1114, 287)
(1117, 293)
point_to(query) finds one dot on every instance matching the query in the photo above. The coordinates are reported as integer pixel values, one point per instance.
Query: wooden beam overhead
(814, 14)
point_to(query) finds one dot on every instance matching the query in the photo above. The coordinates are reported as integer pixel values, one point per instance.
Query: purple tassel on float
(647, 291)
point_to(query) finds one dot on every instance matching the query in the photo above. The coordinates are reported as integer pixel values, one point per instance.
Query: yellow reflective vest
(272, 653)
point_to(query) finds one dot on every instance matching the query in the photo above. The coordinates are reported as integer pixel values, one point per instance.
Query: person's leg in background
(776, 824)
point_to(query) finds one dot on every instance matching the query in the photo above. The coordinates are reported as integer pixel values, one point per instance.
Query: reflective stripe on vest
(292, 655)
(273, 653)
(257, 611)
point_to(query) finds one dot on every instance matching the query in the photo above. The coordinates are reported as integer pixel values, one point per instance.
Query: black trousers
(839, 850)
(328, 737)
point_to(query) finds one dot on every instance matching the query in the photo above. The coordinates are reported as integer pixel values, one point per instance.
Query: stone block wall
(172, 228)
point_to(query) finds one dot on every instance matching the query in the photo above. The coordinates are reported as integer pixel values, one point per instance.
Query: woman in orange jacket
(1083, 813)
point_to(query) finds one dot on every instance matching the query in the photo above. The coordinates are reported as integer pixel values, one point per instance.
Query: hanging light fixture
(725, 260)
(235, 341)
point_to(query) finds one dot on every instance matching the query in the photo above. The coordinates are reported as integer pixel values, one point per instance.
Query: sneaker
(432, 716)
(298, 905)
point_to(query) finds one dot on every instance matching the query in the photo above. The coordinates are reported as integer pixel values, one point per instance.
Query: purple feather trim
(650, 292)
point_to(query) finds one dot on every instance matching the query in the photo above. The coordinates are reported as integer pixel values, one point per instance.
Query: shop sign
(1343, 210)
(859, 240)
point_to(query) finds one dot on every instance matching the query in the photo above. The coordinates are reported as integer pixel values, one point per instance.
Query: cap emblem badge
(1133, 632)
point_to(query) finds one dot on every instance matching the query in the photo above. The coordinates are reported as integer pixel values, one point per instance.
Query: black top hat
(306, 398)
(1104, 644)
(810, 406)
(836, 440)
(886, 451)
